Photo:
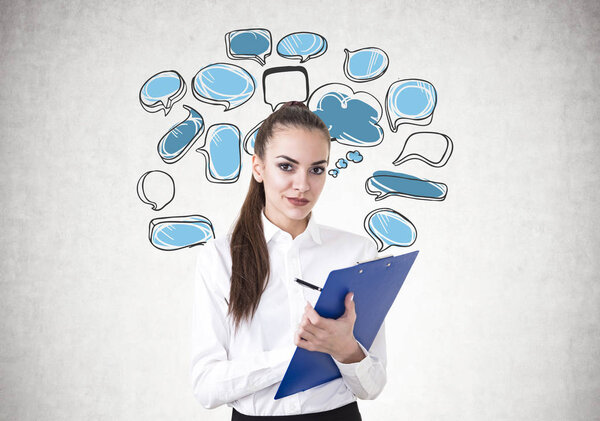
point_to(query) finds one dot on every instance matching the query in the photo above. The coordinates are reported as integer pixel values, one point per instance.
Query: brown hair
(249, 252)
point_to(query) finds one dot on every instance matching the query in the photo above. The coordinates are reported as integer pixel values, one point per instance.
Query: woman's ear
(257, 168)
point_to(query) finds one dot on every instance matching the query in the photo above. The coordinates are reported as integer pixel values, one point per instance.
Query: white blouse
(245, 370)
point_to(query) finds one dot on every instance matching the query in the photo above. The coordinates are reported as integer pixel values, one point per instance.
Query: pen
(306, 284)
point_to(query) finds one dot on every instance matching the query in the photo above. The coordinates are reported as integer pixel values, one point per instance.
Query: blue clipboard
(375, 284)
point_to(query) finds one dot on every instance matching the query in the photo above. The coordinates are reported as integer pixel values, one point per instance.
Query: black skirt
(348, 412)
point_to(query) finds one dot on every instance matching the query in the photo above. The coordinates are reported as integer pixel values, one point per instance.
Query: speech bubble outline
(437, 164)
(142, 188)
(284, 69)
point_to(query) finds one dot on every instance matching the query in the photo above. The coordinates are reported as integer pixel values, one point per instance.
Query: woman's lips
(297, 202)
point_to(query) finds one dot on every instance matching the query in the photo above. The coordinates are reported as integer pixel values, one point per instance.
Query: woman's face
(294, 167)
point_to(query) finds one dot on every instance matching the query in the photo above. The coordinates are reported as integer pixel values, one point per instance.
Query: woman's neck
(293, 227)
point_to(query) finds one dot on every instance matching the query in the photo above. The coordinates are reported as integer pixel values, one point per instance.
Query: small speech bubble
(303, 45)
(410, 101)
(430, 147)
(387, 183)
(161, 91)
(365, 64)
(156, 188)
(248, 44)
(389, 228)
(285, 83)
(354, 156)
(223, 84)
(341, 163)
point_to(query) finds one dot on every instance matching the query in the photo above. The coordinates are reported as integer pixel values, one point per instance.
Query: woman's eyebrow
(323, 161)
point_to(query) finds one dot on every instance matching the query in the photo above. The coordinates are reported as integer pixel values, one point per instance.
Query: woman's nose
(301, 182)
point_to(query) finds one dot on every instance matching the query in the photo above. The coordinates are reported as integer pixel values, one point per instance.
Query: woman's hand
(332, 336)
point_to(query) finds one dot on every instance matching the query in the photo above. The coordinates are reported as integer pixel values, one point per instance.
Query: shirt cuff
(358, 369)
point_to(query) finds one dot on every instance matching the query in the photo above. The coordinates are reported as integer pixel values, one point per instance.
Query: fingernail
(352, 298)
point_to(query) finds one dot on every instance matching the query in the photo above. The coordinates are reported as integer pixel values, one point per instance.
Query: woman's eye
(285, 167)
(319, 170)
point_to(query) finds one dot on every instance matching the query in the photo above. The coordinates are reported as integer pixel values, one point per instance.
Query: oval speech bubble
(389, 228)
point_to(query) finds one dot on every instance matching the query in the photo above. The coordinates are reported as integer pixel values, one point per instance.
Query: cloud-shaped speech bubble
(354, 156)
(161, 91)
(365, 64)
(352, 118)
(177, 232)
(410, 101)
(248, 44)
(389, 228)
(341, 163)
(223, 153)
(156, 188)
(387, 183)
(432, 148)
(180, 138)
(303, 45)
(223, 84)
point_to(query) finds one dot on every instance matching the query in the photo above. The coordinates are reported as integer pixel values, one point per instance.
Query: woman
(250, 314)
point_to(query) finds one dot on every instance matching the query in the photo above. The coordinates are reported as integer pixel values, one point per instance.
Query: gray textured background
(499, 319)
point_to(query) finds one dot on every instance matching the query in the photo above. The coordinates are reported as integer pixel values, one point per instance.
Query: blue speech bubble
(365, 64)
(410, 101)
(248, 44)
(341, 163)
(354, 156)
(223, 84)
(223, 153)
(352, 118)
(161, 91)
(388, 183)
(389, 228)
(180, 138)
(303, 45)
(177, 232)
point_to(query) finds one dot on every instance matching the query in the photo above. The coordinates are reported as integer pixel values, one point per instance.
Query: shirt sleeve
(367, 377)
(215, 378)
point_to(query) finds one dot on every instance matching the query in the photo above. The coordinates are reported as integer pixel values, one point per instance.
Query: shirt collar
(271, 229)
